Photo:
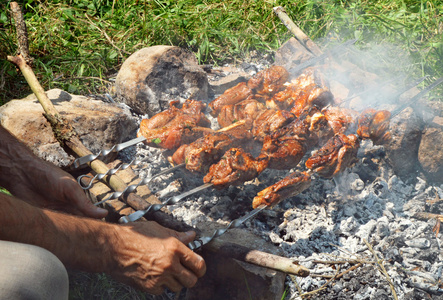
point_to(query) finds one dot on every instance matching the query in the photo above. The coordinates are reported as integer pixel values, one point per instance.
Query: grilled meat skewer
(374, 125)
(291, 185)
(174, 126)
(335, 156)
(234, 168)
(199, 155)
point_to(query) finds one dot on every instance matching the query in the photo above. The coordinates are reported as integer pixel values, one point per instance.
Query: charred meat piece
(308, 89)
(269, 81)
(231, 96)
(234, 168)
(374, 125)
(312, 95)
(300, 128)
(291, 185)
(202, 153)
(340, 119)
(269, 121)
(287, 145)
(175, 126)
(335, 156)
(247, 110)
(283, 153)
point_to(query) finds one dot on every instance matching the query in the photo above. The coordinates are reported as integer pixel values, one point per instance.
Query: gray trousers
(30, 272)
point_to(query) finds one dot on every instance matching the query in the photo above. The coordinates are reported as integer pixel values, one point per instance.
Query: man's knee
(31, 272)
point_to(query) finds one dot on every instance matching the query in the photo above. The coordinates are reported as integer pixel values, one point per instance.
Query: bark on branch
(22, 32)
(296, 31)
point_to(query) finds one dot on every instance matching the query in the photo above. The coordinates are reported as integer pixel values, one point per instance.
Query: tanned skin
(49, 209)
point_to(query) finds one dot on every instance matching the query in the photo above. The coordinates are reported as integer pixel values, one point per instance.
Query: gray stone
(430, 152)
(99, 125)
(402, 149)
(151, 77)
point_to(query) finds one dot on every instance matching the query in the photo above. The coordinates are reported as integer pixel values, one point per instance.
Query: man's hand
(152, 257)
(142, 254)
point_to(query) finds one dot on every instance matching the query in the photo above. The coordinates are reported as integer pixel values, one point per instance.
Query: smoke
(362, 75)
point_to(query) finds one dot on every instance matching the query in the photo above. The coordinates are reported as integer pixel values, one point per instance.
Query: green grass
(79, 44)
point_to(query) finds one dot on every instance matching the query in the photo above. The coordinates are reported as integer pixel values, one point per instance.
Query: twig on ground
(382, 269)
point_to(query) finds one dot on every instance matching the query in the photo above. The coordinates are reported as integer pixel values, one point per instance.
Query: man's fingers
(174, 285)
(193, 262)
(186, 278)
(87, 208)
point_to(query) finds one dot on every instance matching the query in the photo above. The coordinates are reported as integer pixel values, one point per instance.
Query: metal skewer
(417, 97)
(133, 187)
(116, 148)
(155, 207)
(198, 243)
(321, 57)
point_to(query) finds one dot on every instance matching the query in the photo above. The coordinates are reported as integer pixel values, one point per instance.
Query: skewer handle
(133, 187)
(116, 148)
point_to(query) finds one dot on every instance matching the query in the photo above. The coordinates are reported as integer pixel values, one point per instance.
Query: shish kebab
(215, 144)
(188, 193)
(116, 148)
(239, 166)
(272, 195)
(343, 148)
(280, 95)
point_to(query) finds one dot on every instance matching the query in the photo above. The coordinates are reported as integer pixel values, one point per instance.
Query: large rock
(151, 77)
(100, 125)
(430, 152)
(406, 130)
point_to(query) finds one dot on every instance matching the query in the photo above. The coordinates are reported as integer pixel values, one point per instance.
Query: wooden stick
(256, 257)
(297, 32)
(22, 32)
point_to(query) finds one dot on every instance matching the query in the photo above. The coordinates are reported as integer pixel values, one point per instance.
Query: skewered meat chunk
(199, 155)
(269, 121)
(340, 119)
(173, 127)
(283, 153)
(234, 168)
(191, 108)
(312, 95)
(374, 125)
(308, 89)
(291, 185)
(231, 96)
(269, 81)
(286, 146)
(247, 110)
(335, 156)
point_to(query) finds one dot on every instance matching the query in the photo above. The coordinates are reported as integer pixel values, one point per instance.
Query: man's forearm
(78, 242)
